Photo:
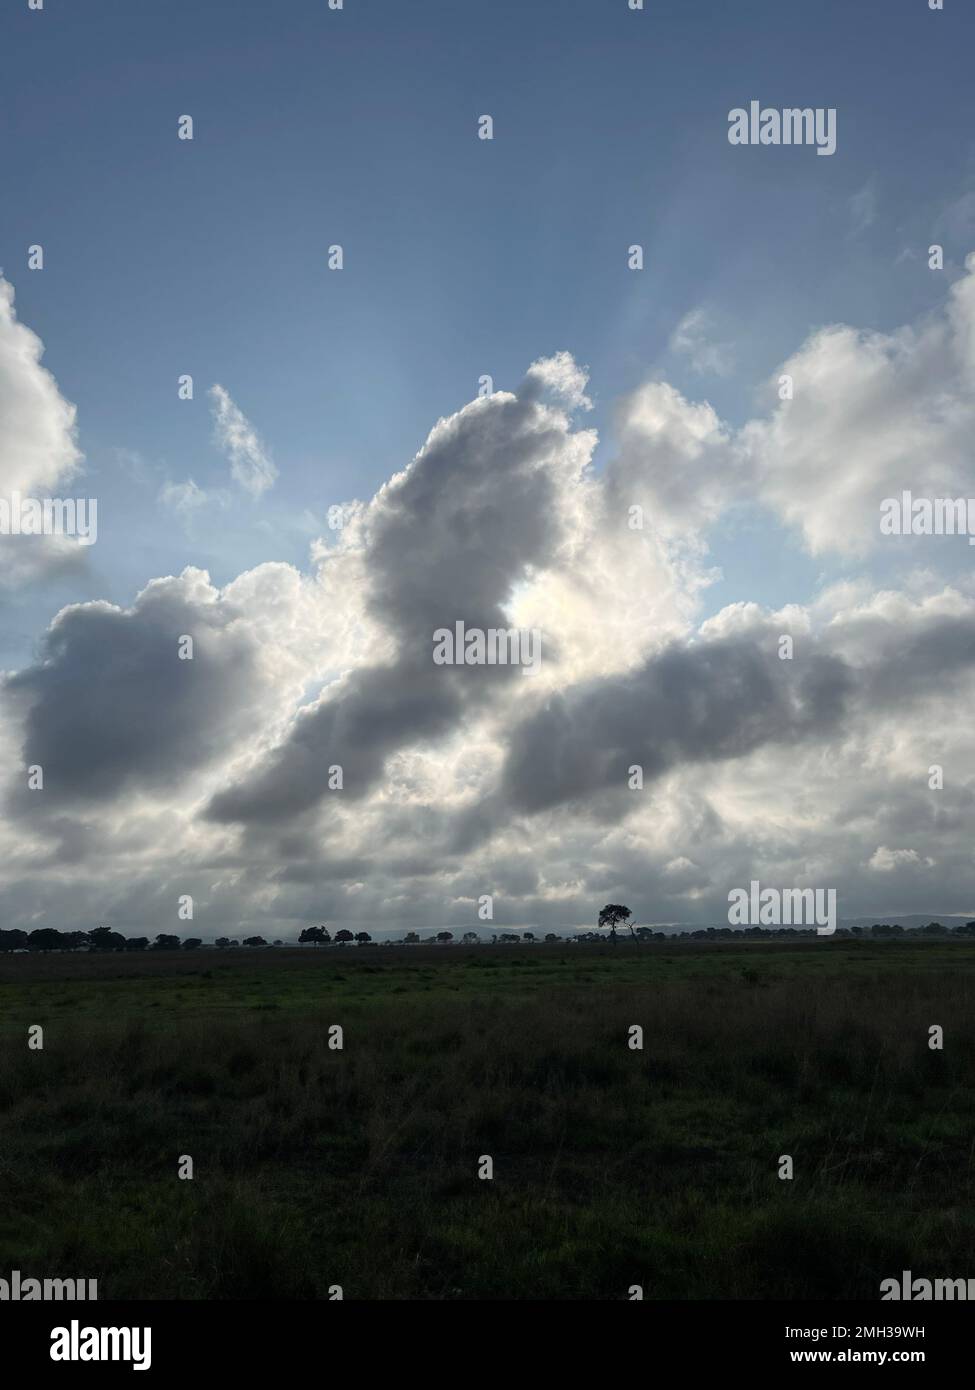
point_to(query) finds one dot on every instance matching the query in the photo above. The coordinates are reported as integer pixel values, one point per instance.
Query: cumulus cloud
(450, 538)
(675, 460)
(111, 705)
(560, 375)
(873, 414)
(709, 701)
(39, 452)
(250, 464)
(862, 416)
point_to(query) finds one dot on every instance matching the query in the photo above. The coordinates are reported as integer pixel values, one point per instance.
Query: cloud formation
(802, 766)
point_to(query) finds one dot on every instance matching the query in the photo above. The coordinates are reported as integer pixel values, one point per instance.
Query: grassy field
(612, 1167)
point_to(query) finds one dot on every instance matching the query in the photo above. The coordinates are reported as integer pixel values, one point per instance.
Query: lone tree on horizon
(612, 915)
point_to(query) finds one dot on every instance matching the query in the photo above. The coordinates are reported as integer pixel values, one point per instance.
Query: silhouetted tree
(363, 938)
(611, 916)
(192, 943)
(222, 942)
(104, 939)
(45, 939)
(471, 938)
(550, 936)
(445, 937)
(13, 940)
(137, 943)
(412, 938)
(254, 941)
(341, 937)
(317, 935)
(164, 942)
(528, 936)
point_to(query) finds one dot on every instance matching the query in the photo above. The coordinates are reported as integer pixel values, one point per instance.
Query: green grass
(612, 1167)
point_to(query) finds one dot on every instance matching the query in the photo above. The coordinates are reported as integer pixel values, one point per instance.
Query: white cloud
(674, 459)
(183, 497)
(39, 453)
(884, 860)
(693, 338)
(250, 463)
(874, 414)
(561, 375)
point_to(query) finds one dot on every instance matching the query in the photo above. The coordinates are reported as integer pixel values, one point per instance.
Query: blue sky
(463, 257)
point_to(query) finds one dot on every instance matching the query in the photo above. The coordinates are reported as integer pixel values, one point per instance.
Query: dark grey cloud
(714, 701)
(909, 662)
(708, 702)
(356, 728)
(109, 706)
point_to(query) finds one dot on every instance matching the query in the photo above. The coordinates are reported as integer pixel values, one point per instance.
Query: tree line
(320, 936)
(104, 939)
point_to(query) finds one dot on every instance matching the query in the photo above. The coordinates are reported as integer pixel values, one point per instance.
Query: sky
(516, 427)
